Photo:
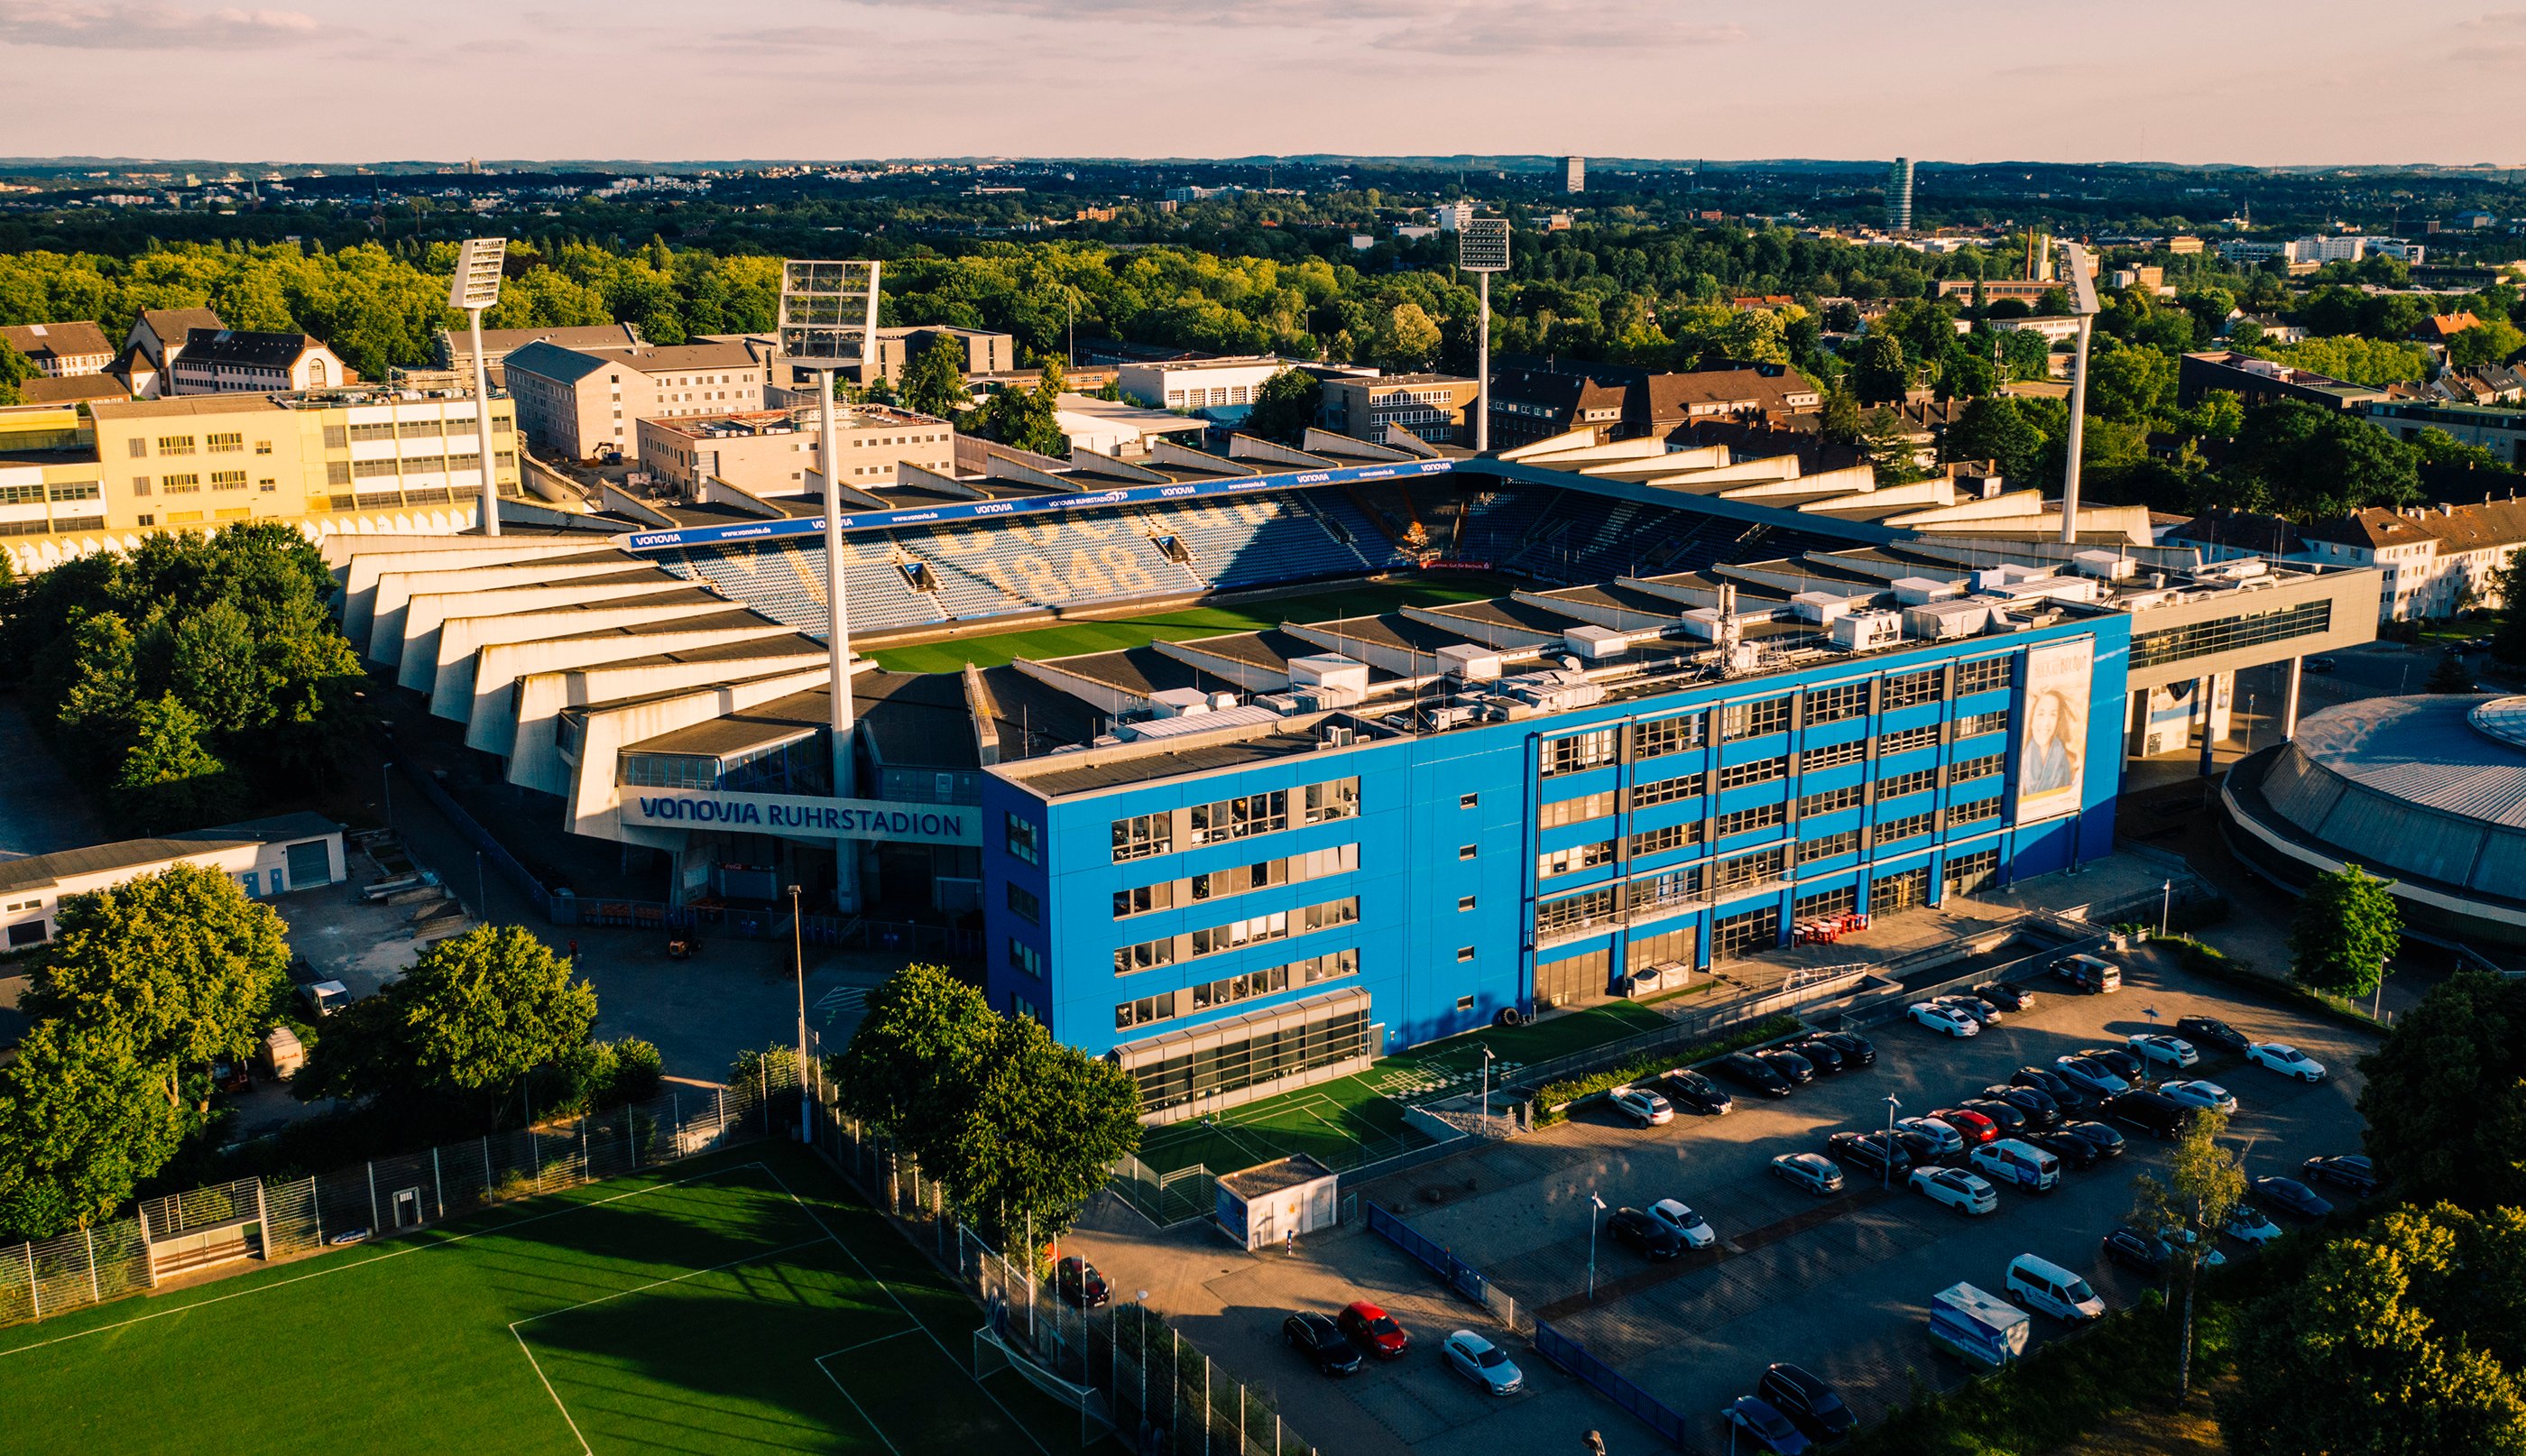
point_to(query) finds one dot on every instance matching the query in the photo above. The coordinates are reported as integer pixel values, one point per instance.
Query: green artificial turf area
(747, 1302)
(1071, 638)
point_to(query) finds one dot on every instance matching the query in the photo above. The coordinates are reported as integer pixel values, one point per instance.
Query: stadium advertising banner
(986, 510)
(803, 816)
(2051, 765)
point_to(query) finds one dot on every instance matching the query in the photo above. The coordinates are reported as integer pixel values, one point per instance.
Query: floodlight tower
(829, 323)
(475, 287)
(1482, 249)
(2082, 304)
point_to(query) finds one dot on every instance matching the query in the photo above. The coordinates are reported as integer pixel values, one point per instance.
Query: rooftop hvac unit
(2060, 589)
(1222, 700)
(1180, 702)
(2104, 566)
(1337, 734)
(1820, 606)
(1943, 622)
(1594, 643)
(1470, 662)
(1867, 631)
(1912, 591)
(1281, 703)
(1328, 670)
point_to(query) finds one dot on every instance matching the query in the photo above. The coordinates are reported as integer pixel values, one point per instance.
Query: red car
(1375, 1331)
(1972, 1127)
(1080, 1285)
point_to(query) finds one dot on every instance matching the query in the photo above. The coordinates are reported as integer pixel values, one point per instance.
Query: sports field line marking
(855, 1405)
(659, 1283)
(853, 1255)
(864, 1345)
(538, 1367)
(382, 1258)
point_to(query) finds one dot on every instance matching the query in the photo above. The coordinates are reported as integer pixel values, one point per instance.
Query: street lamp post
(1893, 1105)
(1486, 1089)
(2148, 1065)
(2166, 905)
(1595, 1206)
(798, 962)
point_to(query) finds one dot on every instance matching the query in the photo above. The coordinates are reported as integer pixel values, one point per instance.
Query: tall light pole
(1482, 249)
(475, 286)
(1595, 1206)
(828, 324)
(798, 962)
(1486, 1089)
(1893, 1106)
(2082, 304)
(2165, 906)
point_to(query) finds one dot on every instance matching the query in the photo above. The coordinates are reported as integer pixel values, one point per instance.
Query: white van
(2091, 974)
(1977, 1328)
(2012, 1160)
(2042, 1284)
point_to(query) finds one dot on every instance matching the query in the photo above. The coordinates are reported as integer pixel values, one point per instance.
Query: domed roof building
(2428, 791)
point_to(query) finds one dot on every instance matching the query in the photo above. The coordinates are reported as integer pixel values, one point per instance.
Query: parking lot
(1838, 1285)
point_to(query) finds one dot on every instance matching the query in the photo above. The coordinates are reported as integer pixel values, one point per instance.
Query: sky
(2315, 81)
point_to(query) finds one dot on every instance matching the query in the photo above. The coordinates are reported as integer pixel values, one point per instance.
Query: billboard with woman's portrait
(2051, 764)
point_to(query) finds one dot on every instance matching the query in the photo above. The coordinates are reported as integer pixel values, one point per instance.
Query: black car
(1870, 1153)
(2120, 1062)
(1080, 1284)
(2287, 1195)
(1811, 1405)
(2067, 1095)
(2351, 1172)
(1857, 1050)
(1821, 1054)
(1796, 1070)
(1322, 1341)
(2209, 1030)
(1694, 1090)
(2107, 1142)
(1637, 1229)
(1919, 1146)
(2135, 1250)
(2007, 997)
(2041, 1109)
(2076, 1153)
(2009, 1120)
(2156, 1114)
(1752, 1074)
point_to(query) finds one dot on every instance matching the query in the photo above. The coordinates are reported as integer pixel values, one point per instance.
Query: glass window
(1908, 740)
(1913, 688)
(1666, 791)
(1025, 904)
(1662, 842)
(2228, 634)
(1754, 720)
(1574, 811)
(1750, 869)
(1920, 781)
(1748, 820)
(1836, 704)
(1982, 675)
(1141, 836)
(1966, 770)
(1981, 722)
(1573, 859)
(1734, 936)
(1020, 835)
(1025, 959)
(1973, 811)
(1672, 887)
(1572, 914)
(1909, 827)
(1828, 846)
(1833, 755)
(1968, 873)
(1580, 751)
(1831, 801)
(1761, 771)
(1661, 736)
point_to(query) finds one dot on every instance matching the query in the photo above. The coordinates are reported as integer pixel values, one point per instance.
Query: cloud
(1432, 26)
(147, 25)
(1481, 30)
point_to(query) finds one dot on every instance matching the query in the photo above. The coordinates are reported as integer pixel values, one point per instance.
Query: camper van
(1978, 1328)
(2045, 1286)
(2010, 1161)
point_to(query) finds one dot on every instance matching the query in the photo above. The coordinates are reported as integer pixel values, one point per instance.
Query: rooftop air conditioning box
(1470, 662)
(1180, 702)
(1328, 670)
(1864, 632)
(1594, 643)
(1821, 605)
(1912, 591)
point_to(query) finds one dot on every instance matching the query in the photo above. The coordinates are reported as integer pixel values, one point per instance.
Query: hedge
(2216, 964)
(1554, 1099)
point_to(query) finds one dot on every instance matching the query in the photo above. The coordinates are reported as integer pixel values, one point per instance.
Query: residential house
(159, 336)
(581, 404)
(2260, 381)
(242, 360)
(60, 351)
(2437, 560)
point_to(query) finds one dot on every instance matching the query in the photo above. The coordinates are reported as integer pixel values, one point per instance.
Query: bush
(2218, 965)
(1554, 1099)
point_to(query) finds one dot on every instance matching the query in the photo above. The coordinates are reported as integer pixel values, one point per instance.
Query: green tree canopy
(1043, 1127)
(1027, 419)
(905, 1070)
(2309, 464)
(2345, 929)
(1285, 405)
(179, 966)
(2445, 1102)
(934, 382)
(82, 1122)
(1996, 430)
(2205, 1183)
(169, 779)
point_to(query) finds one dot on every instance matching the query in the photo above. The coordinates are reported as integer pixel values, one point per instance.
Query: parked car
(2135, 1250)
(2179, 1240)
(1635, 1229)
(2019, 1164)
(2121, 1062)
(2158, 1046)
(2067, 1095)
(1765, 1428)
(2351, 1172)
(1374, 1329)
(1973, 1006)
(2007, 997)
(2208, 1095)
(2288, 1196)
(2287, 1060)
(2091, 974)
(1942, 1135)
(2249, 1225)
(1945, 1019)
(2154, 1113)
(1824, 1057)
(1643, 1107)
(2107, 1142)
(2211, 1032)
(2010, 1120)
(1812, 1405)
(1688, 1089)
(1970, 1125)
(1484, 1364)
(1966, 1193)
(1857, 1050)
(2041, 1109)
(230, 1076)
(1917, 1145)
(1747, 1072)
(2038, 1284)
(1079, 1283)
(2076, 1153)
(1322, 1341)
(2092, 1075)
(1690, 1227)
(1872, 1153)
(1796, 1070)
(1813, 1172)
(2321, 664)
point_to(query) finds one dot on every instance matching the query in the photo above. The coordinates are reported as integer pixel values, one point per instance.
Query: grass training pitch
(743, 1302)
(1112, 633)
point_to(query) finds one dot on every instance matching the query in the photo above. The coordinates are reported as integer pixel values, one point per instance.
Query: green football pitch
(1108, 634)
(741, 1303)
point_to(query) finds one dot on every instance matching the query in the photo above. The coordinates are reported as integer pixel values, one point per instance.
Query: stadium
(1434, 683)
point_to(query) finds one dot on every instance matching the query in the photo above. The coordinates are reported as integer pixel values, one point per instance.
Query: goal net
(994, 1354)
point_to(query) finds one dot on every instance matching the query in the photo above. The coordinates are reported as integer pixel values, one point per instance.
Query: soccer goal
(993, 1354)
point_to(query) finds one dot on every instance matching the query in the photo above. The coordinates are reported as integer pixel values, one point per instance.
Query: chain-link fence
(235, 1225)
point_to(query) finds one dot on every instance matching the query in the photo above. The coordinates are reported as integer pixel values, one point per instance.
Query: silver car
(1484, 1364)
(1813, 1172)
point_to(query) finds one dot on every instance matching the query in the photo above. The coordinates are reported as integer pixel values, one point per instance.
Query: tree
(15, 369)
(2311, 464)
(2205, 1183)
(2132, 385)
(2026, 354)
(1285, 405)
(1996, 430)
(2445, 451)
(168, 780)
(2449, 676)
(2345, 929)
(934, 383)
(1029, 418)
(1884, 373)
(1406, 340)
(1838, 422)
(2491, 342)
(1044, 1125)
(2445, 1104)
(905, 1070)
(82, 1122)
(1891, 451)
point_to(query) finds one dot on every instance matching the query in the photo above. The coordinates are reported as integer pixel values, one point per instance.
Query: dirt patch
(2187, 1432)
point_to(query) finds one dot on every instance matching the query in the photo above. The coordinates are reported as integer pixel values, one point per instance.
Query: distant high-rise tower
(1574, 173)
(1898, 195)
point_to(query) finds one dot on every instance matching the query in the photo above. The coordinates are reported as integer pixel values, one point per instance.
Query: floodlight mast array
(2077, 266)
(475, 286)
(829, 323)
(1482, 249)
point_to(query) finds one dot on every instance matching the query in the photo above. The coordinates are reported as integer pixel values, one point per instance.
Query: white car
(1484, 1364)
(2208, 1095)
(2158, 1046)
(2090, 1073)
(1690, 1227)
(1943, 1138)
(1945, 1019)
(1958, 1190)
(2184, 1238)
(2286, 1060)
(1643, 1106)
(2248, 1225)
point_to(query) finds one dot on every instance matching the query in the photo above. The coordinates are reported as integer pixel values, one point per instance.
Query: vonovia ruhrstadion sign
(802, 817)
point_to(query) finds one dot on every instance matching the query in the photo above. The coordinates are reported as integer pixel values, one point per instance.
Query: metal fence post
(438, 1184)
(375, 1224)
(487, 1165)
(34, 1289)
(586, 1172)
(632, 1136)
(95, 1295)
